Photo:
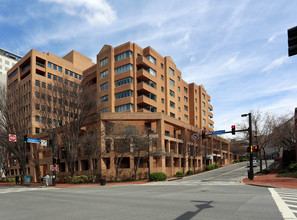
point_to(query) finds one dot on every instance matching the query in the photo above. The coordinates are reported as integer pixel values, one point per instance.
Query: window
(186, 99)
(55, 77)
(178, 99)
(178, 78)
(196, 109)
(196, 100)
(171, 71)
(172, 104)
(103, 74)
(104, 98)
(196, 118)
(203, 95)
(172, 93)
(37, 83)
(203, 112)
(162, 66)
(171, 82)
(60, 69)
(185, 90)
(66, 71)
(152, 72)
(37, 118)
(204, 121)
(49, 75)
(151, 59)
(162, 77)
(37, 130)
(172, 115)
(71, 73)
(179, 109)
(124, 81)
(75, 75)
(186, 118)
(54, 66)
(122, 108)
(60, 79)
(178, 89)
(103, 86)
(124, 94)
(104, 62)
(162, 89)
(162, 101)
(195, 91)
(43, 85)
(123, 56)
(203, 104)
(124, 68)
(104, 110)
(80, 77)
(37, 106)
(37, 94)
(49, 86)
(49, 64)
(186, 108)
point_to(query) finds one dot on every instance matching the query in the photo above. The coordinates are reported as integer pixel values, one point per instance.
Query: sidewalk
(271, 180)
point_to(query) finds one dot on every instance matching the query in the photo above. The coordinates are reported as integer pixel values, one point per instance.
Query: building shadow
(200, 206)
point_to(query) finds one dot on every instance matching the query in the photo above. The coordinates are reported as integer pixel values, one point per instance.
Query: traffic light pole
(251, 173)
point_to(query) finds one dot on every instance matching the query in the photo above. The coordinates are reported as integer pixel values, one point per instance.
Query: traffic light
(54, 160)
(233, 129)
(256, 148)
(203, 134)
(292, 41)
(25, 139)
(50, 143)
(248, 149)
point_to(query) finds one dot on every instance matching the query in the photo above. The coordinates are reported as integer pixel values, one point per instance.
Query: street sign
(54, 167)
(196, 136)
(12, 137)
(43, 143)
(218, 132)
(34, 141)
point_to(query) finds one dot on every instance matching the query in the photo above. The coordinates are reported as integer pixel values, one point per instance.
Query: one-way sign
(218, 132)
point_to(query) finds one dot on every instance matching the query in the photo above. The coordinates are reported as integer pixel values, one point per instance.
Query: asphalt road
(213, 195)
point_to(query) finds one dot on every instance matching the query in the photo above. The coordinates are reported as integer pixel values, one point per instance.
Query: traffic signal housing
(256, 148)
(203, 135)
(233, 129)
(50, 143)
(292, 41)
(25, 139)
(248, 149)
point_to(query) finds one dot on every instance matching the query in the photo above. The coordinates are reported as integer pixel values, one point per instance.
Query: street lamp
(251, 171)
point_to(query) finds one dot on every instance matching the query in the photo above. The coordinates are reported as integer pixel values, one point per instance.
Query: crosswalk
(286, 201)
(20, 189)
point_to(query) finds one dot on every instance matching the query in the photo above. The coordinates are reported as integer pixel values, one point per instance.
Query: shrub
(91, 178)
(293, 167)
(190, 172)
(179, 174)
(81, 179)
(209, 167)
(216, 166)
(158, 176)
(235, 161)
(67, 179)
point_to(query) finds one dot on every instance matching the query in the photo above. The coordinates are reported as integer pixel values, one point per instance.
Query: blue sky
(236, 49)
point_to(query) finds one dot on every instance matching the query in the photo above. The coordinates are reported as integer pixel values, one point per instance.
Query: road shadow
(190, 214)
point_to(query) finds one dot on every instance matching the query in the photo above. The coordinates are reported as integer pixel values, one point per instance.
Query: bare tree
(13, 124)
(66, 110)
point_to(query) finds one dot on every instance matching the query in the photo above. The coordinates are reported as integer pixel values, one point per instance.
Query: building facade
(7, 60)
(136, 89)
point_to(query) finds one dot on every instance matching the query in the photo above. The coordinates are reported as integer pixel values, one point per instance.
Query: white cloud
(93, 11)
(271, 39)
(276, 63)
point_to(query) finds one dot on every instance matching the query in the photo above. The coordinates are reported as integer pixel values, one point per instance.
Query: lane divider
(240, 168)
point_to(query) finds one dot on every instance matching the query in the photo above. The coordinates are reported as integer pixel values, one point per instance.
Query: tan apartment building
(34, 85)
(135, 88)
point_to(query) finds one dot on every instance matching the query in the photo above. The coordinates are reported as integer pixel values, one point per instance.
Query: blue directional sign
(34, 141)
(218, 132)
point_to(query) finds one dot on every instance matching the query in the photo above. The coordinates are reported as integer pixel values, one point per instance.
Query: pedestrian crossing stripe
(281, 199)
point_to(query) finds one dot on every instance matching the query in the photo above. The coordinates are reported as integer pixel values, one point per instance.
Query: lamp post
(149, 131)
(251, 171)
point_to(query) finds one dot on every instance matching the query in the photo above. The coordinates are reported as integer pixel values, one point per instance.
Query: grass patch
(286, 173)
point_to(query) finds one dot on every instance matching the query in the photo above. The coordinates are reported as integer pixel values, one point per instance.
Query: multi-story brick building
(135, 88)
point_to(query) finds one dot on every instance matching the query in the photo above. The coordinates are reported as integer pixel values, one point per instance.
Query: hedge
(158, 176)
(179, 174)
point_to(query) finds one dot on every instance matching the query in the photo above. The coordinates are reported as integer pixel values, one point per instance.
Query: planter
(102, 181)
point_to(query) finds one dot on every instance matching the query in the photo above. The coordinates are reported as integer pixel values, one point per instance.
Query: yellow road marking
(225, 173)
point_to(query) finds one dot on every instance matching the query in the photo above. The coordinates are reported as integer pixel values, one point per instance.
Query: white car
(255, 163)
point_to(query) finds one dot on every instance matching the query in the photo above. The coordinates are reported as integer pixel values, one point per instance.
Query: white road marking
(282, 206)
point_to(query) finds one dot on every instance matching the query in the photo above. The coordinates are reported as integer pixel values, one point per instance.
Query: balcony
(144, 75)
(144, 87)
(145, 101)
(143, 62)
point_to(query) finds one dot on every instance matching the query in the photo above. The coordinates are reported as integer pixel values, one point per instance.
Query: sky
(237, 49)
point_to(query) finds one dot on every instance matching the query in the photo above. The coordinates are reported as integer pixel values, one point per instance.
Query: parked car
(255, 163)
